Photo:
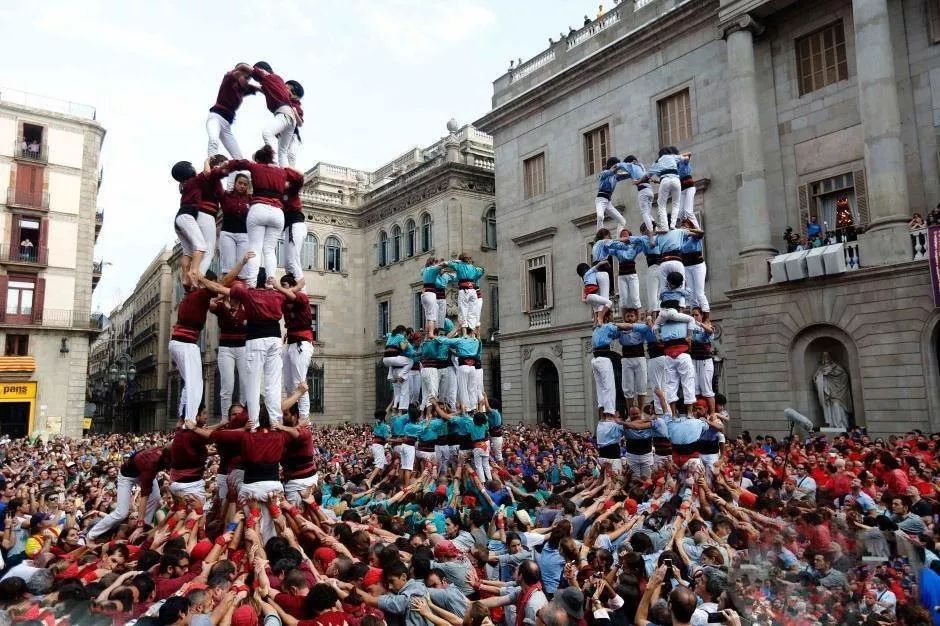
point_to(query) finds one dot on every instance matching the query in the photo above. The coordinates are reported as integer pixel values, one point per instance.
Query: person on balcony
(813, 228)
(917, 222)
(933, 218)
(26, 250)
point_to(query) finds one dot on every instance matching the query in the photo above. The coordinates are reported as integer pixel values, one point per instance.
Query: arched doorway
(547, 399)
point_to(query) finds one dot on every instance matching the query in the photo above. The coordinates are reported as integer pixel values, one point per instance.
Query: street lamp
(121, 373)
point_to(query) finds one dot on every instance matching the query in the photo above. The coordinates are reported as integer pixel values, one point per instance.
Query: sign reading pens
(933, 254)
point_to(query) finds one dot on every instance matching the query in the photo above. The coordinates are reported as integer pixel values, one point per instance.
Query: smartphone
(716, 618)
(231, 527)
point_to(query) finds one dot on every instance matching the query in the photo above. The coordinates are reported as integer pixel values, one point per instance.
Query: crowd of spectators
(841, 530)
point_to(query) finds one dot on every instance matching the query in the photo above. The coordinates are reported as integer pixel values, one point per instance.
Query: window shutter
(38, 298)
(803, 193)
(43, 239)
(15, 237)
(861, 196)
(523, 280)
(3, 297)
(549, 296)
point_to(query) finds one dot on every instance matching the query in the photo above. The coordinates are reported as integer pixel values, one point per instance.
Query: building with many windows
(794, 111)
(49, 222)
(369, 236)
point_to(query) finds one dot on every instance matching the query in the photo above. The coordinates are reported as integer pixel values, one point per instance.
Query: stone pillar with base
(886, 240)
(754, 224)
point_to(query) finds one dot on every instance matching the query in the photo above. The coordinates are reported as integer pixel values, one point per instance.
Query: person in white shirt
(884, 600)
(804, 487)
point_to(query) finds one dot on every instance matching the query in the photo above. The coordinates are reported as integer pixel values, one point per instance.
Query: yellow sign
(86, 423)
(10, 391)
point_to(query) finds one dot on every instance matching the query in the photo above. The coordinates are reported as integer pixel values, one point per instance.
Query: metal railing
(99, 217)
(918, 244)
(145, 363)
(53, 318)
(145, 334)
(31, 151)
(56, 105)
(27, 255)
(28, 199)
(97, 267)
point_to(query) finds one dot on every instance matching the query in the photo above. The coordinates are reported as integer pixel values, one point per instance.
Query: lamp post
(121, 373)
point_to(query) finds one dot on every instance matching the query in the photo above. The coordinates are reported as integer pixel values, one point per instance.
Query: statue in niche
(834, 392)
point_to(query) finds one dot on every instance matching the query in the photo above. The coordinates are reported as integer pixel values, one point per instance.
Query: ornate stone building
(793, 110)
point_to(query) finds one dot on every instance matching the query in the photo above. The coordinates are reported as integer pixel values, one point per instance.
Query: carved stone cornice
(331, 220)
(538, 235)
(743, 22)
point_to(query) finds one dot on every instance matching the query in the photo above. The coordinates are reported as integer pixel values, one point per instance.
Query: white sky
(380, 77)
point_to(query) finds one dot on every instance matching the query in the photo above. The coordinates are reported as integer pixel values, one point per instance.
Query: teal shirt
(398, 424)
(429, 274)
(448, 325)
(466, 271)
(478, 432)
(443, 280)
(459, 424)
(435, 350)
(382, 430)
(464, 346)
(495, 418)
(414, 429)
(394, 341)
(434, 430)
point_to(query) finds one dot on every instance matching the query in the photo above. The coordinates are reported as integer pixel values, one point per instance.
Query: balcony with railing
(144, 335)
(919, 244)
(29, 256)
(52, 318)
(22, 199)
(99, 222)
(540, 319)
(25, 150)
(97, 267)
(146, 363)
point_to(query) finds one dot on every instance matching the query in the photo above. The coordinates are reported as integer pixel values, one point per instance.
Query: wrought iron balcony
(37, 256)
(30, 151)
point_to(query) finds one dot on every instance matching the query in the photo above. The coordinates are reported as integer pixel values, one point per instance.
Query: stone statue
(835, 393)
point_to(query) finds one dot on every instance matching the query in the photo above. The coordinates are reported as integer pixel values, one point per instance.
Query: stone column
(886, 240)
(754, 234)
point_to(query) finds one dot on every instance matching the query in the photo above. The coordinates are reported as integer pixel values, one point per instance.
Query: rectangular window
(20, 293)
(418, 311)
(537, 282)
(675, 119)
(596, 149)
(17, 345)
(833, 203)
(315, 321)
(820, 58)
(534, 171)
(384, 319)
(315, 382)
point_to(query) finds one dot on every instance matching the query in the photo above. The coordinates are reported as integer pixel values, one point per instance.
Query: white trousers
(259, 491)
(191, 236)
(264, 365)
(481, 462)
(293, 245)
(122, 506)
(656, 373)
(188, 361)
(604, 208)
(672, 315)
(669, 189)
(496, 448)
(604, 383)
(644, 198)
(629, 289)
(633, 376)
(652, 281)
(206, 224)
(378, 455)
(641, 465)
(597, 302)
(429, 306)
(668, 267)
(230, 360)
(406, 453)
(680, 371)
(196, 489)
(279, 133)
(219, 130)
(430, 383)
(265, 224)
(704, 371)
(400, 395)
(686, 204)
(466, 308)
(448, 386)
(229, 483)
(296, 362)
(398, 366)
(232, 249)
(695, 281)
(295, 488)
(478, 311)
(441, 311)
(603, 285)
(414, 386)
(468, 391)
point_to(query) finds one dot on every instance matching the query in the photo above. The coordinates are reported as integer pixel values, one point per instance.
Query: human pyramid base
(438, 513)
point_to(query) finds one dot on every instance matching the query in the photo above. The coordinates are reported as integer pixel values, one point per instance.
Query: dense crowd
(840, 530)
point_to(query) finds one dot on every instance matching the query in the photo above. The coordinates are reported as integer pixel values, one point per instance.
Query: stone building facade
(792, 109)
(49, 222)
(434, 201)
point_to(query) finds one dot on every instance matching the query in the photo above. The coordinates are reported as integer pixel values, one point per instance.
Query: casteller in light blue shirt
(604, 335)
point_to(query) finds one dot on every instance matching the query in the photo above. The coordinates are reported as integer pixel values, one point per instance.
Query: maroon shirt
(292, 201)
(188, 454)
(298, 111)
(268, 181)
(191, 190)
(144, 465)
(191, 315)
(230, 97)
(235, 212)
(298, 455)
(231, 326)
(211, 190)
(298, 318)
(261, 452)
(228, 443)
(261, 305)
(275, 90)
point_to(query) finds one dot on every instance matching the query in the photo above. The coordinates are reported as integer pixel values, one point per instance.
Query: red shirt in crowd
(188, 454)
(144, 465)
(261, 305)
(896, 482)
(191, 315)
(275, 90)
(298, 318)
(268, 181)
(166, 587)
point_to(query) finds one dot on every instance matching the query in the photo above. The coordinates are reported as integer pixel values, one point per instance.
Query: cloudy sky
(380, 77)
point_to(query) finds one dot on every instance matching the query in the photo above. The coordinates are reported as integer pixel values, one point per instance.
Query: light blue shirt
(668, 294)
(608, 433)
(671, 241)
(607, 180)
(700, 336)
(636, 336)
(552, 564)
(433, 430)
(665, 162)
(626, 251)
(684, 167)
(635, 170)
(691, 243)
(590, 276)
(604, 335)
(683, 431)
(600, 250)
(671, 331)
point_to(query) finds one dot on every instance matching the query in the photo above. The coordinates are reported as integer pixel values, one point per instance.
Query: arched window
(334, 254)
(411, 238)
(396, 243)
(308, 255)
(279, 252)
(383, 249)
(489, 232)
(426, 241)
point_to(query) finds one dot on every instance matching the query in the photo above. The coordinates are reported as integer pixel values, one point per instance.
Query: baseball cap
(571, 600)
